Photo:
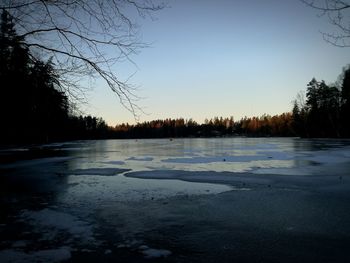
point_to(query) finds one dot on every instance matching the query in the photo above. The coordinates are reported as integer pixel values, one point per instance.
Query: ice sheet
(98, 171)
(142, 158)
(127, 195)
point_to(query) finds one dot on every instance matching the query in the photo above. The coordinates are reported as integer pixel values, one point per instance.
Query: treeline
(323, 112)
(279, 125)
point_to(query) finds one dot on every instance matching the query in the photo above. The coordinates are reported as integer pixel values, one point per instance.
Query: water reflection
(218, 154)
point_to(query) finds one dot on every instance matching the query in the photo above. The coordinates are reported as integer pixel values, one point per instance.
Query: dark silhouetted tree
(14, 76)
(323, 105)
(31, 106)
(320, 115)
(345, 108)
(50, 106)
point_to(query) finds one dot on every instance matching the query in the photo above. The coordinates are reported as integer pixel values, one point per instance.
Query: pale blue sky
(224, 58)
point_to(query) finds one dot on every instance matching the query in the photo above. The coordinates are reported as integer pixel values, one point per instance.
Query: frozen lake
(181, 200)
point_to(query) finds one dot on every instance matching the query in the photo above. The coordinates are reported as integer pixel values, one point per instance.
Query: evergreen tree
(323, 103)
(31, 107)
(345, 109)
(14, 79)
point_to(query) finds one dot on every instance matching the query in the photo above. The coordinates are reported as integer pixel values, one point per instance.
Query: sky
(223, 58)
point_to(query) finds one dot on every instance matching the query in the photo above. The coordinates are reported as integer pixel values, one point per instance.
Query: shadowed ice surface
(182, 200)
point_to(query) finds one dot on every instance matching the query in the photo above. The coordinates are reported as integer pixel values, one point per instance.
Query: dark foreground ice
(195, 200)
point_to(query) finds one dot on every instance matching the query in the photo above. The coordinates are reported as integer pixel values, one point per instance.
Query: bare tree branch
(80, 36)
(338, 15)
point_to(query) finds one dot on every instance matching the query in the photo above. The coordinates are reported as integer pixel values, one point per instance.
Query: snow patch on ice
(154, 253)
(91, 191)
(50, 222)
(48, 255)
(133, 243)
